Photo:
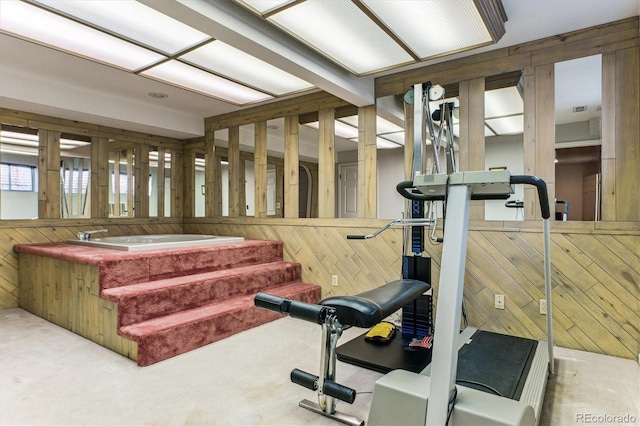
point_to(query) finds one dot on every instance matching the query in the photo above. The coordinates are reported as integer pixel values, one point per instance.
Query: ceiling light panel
(341, 31)
(233, 63)
(132, 20)
(432, 28)
(47, 28)
(264, 6)
(192, 78)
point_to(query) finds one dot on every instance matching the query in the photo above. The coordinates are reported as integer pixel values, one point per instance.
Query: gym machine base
(433, 397)
(333, 313)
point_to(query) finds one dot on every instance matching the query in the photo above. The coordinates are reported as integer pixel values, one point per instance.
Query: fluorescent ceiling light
(432, 28)
(192, 78)
(382, 143)
(233, 63)
(507, 125)
(33, 23)
(263, 6)
(501, 102)
(344, 33)
(134, 21)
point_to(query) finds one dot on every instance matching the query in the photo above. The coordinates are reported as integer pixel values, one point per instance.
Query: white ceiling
(46, 81)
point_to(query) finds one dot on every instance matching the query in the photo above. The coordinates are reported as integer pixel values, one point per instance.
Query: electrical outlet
(543, 307)
(499, 301)
(334, 280)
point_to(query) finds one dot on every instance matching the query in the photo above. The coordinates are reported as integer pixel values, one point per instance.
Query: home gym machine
(475, 377)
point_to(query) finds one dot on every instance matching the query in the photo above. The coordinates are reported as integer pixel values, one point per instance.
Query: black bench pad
(369, 308)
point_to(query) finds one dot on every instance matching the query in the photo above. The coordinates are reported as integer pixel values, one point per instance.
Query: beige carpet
(49, 376)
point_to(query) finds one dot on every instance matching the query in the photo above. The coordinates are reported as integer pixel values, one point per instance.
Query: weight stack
(417, 317)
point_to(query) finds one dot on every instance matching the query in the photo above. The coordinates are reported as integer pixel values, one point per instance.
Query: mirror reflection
(578, 100)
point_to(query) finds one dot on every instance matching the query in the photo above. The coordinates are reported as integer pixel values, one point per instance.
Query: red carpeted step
(162, 338)
(118, 269)
(141, 302)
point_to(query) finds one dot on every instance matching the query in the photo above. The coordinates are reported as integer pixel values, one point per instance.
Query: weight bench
(363, 310)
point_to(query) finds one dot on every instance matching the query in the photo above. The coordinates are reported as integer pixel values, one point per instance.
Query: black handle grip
(543, 195)
(272, 303)
(356, 237)
(295, 309)
(308, 312)
(339, 391)
(403, 188)
(304, 379)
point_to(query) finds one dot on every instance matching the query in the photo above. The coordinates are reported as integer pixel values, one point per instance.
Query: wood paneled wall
(595, 272)
(68, 294)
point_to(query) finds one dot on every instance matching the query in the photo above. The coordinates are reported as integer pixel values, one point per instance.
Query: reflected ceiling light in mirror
(225, 60)
(342, 32)
(342, 130)
(132, 20)
(33, 23)
(501, 102)
(506, 125)
(195, 79)
(397, 137)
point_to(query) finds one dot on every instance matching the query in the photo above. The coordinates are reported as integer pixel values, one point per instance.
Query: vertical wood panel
(529, 141)
(210, 192)
(177, 184)
(260, 169)
(291, 167)
(627, 134)
(408, 141)
(99, 177)
(367, 163)
(142, 181)
(234, 171)
(49, 174)
(471, 133)
(545, 130)
(608, 149)
(189, 182)
(326, 163)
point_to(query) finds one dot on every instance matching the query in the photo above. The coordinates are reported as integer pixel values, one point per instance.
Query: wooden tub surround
(153, 305)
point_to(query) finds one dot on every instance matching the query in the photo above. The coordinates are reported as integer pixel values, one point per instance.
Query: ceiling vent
(580, 108)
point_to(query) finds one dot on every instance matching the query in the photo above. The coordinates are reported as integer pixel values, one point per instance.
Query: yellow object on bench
(382, 332)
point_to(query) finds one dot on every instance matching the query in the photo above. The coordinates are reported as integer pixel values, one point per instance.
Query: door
(348, 190)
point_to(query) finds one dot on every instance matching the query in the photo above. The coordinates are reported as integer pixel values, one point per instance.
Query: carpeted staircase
(192, 297)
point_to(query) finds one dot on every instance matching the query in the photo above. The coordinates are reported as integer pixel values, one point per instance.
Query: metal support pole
(444, 359)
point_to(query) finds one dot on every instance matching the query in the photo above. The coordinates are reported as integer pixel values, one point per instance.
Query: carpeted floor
(49, 376)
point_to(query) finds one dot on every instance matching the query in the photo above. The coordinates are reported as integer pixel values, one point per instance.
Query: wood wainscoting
(595, 272)
(46, 231)
(68, 294)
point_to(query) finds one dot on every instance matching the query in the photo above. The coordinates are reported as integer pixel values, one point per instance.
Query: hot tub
(154, 242)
